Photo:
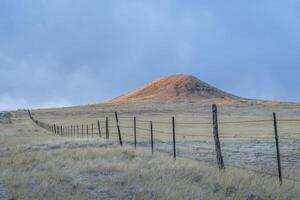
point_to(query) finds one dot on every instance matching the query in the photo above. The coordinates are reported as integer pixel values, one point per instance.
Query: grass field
(35, 164)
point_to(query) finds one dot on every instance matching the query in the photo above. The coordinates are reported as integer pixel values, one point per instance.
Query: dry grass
(38, 165)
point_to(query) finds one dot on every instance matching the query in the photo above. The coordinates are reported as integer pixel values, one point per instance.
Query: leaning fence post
(277, 148)
(118, 127)
(106, 127)
(151, 132)
(216, 137)
(174, 142)
(134, 130)
(99, 129)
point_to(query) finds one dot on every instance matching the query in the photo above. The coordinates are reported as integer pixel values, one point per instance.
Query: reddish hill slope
(175, 88)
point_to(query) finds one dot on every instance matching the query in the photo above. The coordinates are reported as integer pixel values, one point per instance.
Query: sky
(73, 52)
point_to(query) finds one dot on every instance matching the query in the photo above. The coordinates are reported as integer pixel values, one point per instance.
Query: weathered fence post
(61, 131)
(151, 132)
(106, 127)
(87, 130)
(134, 130)
(216, 137)
(118, 127)
(77, 130)
(277, 148)
(82, 131)
(54, 129)
(174, 142)
(92, 130)
(99, 129)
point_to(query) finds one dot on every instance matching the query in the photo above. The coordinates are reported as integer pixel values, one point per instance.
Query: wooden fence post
(54, 129)
(99, 129)
(134, 130)
(174, 141)
(106, 127)
(87, 130)
(277, 148)
(77, 131)
(151, 132)
(61, 131)
(216, 137)
(118, 127)
(82, 131)
(92, 130)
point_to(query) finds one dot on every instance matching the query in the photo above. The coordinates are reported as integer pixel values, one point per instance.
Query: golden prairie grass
(38, 165)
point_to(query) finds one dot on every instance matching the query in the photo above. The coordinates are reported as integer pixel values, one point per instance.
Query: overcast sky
(72, 52)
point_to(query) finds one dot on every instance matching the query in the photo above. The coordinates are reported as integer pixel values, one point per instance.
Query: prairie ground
(36, 164)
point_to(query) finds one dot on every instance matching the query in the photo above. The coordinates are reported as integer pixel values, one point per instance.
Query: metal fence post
(277, 148)
(118, 127)
(151, 132)
(106, 127)
(134, 130)
(174, 141)
(99, 129)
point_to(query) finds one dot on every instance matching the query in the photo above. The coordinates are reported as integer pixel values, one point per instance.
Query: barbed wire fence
(142, 132)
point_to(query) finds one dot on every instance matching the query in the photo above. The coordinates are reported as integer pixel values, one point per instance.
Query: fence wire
(246, 144)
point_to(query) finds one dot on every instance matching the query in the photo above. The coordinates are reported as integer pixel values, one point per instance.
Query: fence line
(74, 131)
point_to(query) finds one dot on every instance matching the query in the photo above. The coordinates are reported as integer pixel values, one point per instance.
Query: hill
(175, 88)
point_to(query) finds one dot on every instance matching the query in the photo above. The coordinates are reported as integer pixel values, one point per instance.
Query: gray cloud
(78, 52)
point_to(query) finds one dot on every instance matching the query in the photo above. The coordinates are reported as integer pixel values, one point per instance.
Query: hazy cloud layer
(67, 52)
